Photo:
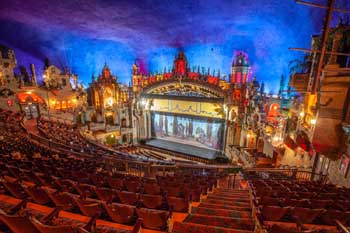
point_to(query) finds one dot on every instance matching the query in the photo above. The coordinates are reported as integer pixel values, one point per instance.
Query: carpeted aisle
(225, 210)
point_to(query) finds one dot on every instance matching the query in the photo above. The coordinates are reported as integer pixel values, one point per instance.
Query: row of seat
(310, 206)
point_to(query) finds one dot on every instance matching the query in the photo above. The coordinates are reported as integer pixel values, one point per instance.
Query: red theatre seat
(153, 219)
(128, 198)
(119, 213)
(151, 201)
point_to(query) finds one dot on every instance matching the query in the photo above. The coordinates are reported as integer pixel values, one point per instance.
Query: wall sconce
(313, 121)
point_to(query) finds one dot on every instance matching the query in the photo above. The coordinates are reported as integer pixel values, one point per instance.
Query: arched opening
(109, 118)
(29, 104)
(124, 138)
(123, 123)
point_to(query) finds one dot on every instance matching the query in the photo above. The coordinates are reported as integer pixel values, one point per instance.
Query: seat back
(151, 201)
(38, 194)
(15, 189)
(178, 204)
(42, 228)
(153, 219)
(62, 200)
(105, 194)
(151, 188)
(88, 208)
(120, 213)
(274, 213)
(128, 198)
(17, 224)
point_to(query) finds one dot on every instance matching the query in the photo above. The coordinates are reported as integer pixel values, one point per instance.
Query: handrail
(341, 227)
(292, 173)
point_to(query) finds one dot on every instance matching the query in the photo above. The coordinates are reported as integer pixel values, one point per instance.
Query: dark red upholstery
(132, 186)
(63, 200)
(306, 215)
(38, 195)
(88, 208)
(120, 213)
(330, 216)
(115, 183)
(178, 204)
(153, 219)
(15, 189)
(152, 189)
(105, 194)
(128, 198)
(274, 213)
(151, 201)
(42, 228)
(17, 223)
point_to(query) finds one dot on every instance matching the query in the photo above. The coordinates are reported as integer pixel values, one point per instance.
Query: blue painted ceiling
(84, 34)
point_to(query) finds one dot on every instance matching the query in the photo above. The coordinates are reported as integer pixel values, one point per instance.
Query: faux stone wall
(293, 159)
(336, 177)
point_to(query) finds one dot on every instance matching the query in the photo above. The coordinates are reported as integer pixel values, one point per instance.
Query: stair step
(185, 227)
(226, 222)
(228, 199)
(227, 207)
(232, 203)
(221, 212)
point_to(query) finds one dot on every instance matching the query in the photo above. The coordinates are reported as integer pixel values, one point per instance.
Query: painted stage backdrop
(196, 131)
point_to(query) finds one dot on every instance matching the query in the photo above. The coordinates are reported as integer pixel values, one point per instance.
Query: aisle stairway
(224, 210)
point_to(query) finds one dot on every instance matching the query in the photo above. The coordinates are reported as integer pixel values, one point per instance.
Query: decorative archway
(185, 88)
(29, 103)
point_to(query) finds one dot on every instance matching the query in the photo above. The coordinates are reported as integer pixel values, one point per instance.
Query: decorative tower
(180, 65)
(136, 78)
(240, 69)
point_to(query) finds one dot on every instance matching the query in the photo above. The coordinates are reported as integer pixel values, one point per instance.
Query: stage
(184, 148)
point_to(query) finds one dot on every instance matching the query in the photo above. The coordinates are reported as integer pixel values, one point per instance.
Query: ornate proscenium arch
(187, 87)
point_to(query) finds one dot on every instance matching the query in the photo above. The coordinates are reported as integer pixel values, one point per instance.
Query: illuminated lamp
(110, 101)
(275, 107)
(275, 138)
(29, 92)
(313, 121)
(301, 114)
(9, 102)
(248, 135)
